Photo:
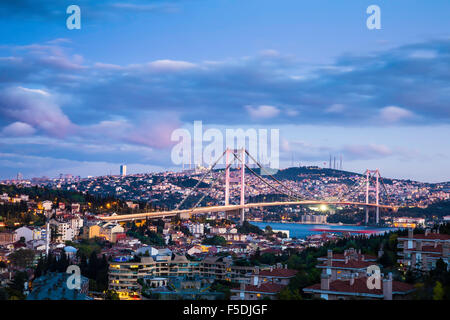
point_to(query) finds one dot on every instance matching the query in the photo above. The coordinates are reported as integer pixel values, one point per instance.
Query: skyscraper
(123, 170)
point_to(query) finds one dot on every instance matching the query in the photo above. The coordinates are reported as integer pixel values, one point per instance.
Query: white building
(47, 205)
(30, 233)
(63, 230)
(197, 229)
(76, 224)
(407, 222)
(24, 232)
(218, 230)
(75, 208)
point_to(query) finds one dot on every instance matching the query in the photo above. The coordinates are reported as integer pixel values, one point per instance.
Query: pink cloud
(36, 108)
(395, 114)
(155, 134)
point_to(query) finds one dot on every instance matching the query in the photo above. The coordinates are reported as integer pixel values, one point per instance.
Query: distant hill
(299, 173)
(190, 183)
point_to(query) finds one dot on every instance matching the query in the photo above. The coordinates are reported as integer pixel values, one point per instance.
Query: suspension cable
(209, 190)
(199, 181)
(259, 177)
(270, 175)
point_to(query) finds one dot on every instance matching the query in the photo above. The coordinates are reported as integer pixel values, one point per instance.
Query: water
(301, 231)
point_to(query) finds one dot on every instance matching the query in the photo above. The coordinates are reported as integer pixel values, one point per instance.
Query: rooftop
(360, 287)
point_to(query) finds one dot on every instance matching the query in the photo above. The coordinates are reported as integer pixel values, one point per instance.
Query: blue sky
(85, 101)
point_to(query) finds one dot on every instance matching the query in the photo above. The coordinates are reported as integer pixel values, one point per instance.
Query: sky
(85, 101)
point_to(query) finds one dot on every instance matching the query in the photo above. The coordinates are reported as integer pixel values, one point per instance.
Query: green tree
(268, 230)
(22, 258)
(288, 294)
(111, 295)
(438, 291)
(215, 241)
(15, 289)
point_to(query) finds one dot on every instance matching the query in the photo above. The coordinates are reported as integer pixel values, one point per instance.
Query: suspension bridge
(370, 181)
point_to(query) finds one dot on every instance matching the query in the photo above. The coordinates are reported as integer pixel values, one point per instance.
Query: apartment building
(7, 237)
(279, 275)
(108, 230)
(344, 266)
(63, 230)
(265, 284)
(123, 276)
(421, 251)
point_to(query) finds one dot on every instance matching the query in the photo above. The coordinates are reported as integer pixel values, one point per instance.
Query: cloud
(34, 166)
(170, 65)
(168, 7)
(50, 10)
(358, 88)
(95, 106)
(370, 151)
(36, 108)
(335, 108)
(423, 54)
(269, 53)
(154, 132)
(394, 114)
(262, 112)
(18, 129)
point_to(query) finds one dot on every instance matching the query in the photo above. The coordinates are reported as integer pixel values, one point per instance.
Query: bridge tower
(369, 175)
(240, 154)
(367, 194)
(242, 185)
(227, 177)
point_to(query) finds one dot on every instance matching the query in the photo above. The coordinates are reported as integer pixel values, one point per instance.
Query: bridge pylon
(370, 174)
(240, 155)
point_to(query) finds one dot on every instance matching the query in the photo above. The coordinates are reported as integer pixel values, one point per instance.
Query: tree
(17, 286)
(287, 294)
(215, 241)
(269, 229)
(388, 259)
(111, 295)
(294, 262)
(438, 291)
(22, 258)
(3, 294)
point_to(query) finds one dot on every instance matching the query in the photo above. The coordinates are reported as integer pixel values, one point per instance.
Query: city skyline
(86, 101)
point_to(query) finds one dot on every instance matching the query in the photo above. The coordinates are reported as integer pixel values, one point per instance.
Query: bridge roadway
(161, 214)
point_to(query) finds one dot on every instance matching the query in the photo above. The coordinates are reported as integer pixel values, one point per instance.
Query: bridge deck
(160, 214)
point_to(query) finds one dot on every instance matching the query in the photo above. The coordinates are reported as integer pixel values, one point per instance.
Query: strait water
(301, 231)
